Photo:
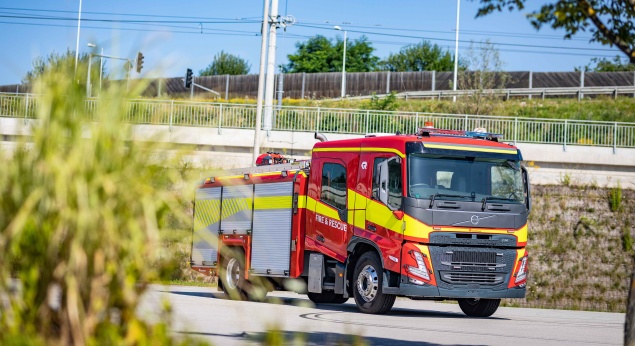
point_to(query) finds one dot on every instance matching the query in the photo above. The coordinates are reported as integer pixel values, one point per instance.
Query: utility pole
(271, 64)
(261, 80)
(456, 47)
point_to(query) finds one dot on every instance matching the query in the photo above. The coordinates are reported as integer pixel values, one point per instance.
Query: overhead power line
(462, 41)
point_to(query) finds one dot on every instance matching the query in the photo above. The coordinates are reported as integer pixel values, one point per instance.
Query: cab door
(331, 210)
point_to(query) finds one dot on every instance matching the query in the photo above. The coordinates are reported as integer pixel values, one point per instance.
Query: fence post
(515, 130)
(580, 96)
(367, 117)
(303, 81)
(434, 80)
(388, 82)
(26, 108)
(171, 114)
(416, 121)
(317, 125)
(220, 118)
(564, 148)
(531, 82)
(465, 123)
(615, 137)
(227, 88)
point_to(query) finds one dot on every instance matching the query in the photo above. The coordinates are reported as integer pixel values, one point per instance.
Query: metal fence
(351, 121)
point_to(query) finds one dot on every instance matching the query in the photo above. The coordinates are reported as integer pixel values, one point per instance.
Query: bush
(79, 222)
(615, 198)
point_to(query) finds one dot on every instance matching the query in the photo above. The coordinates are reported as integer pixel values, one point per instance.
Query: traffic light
(188, 78)
(139, 63)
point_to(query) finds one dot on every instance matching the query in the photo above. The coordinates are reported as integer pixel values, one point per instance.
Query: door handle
(372, 228)
(320, 238)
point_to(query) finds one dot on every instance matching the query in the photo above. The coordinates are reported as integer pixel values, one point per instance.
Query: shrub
(615, 198)
(79, 222)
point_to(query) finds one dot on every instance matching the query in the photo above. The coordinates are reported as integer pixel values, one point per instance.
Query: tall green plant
(79, 221)
(615, 198)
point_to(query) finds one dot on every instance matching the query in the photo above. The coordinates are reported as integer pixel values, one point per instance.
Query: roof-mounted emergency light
(479, 132)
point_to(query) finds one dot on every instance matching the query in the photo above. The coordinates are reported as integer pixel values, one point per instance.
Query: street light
(456, 47)
(343, 63)
(90, 64)
(79, 20)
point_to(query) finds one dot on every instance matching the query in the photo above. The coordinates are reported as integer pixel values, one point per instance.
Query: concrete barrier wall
(232, 148)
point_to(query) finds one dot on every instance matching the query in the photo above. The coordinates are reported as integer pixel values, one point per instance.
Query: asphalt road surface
(206, 313)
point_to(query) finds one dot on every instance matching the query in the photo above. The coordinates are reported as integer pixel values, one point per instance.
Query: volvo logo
(474, 219)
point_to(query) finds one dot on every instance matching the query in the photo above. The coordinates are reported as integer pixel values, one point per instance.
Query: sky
(176, 35)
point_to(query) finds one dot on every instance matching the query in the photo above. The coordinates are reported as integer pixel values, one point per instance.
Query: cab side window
(376, 163)
(395, 190)
(333, 190)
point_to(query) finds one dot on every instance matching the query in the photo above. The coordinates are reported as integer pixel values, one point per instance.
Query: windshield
(464, 178)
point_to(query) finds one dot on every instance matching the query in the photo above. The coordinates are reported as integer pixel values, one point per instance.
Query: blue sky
(176, 35)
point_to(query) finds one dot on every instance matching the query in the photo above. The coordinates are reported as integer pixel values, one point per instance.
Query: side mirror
(527, 188)
(398, 214)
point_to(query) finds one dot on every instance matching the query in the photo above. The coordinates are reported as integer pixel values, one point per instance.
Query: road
(205, 313)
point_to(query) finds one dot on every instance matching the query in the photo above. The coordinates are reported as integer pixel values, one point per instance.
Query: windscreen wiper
(492, 198)
(433, 197)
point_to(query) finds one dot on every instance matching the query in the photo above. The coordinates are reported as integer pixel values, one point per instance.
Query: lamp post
(79, 20)
(343, 63)
(90, 64)
(456, 47)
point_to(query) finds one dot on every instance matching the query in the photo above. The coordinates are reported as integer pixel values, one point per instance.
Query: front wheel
(368, 286)
(479, 307)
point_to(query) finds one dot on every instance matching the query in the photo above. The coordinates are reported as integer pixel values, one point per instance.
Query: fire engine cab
(437, 215)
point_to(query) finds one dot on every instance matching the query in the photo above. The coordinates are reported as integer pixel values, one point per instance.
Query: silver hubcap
(368, 283)
(232, 275)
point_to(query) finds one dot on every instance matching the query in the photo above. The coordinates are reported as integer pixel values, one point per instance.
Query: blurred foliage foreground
(80, 215)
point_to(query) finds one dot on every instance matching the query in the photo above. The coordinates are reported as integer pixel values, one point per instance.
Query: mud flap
(316, 272)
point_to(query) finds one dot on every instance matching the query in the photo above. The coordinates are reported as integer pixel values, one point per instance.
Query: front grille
(470, 260)
(473, 257)
(472, 278)
(465, 266)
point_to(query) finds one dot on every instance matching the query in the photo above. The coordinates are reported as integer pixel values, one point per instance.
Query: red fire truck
(435, 215)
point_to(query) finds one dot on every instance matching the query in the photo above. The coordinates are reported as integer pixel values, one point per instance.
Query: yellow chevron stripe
(468, 148)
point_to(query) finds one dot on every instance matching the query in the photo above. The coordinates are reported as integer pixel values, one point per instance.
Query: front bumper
(429, 291)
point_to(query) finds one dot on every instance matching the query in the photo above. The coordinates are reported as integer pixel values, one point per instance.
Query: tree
(483, 75)
(320, 54)
(61, 61)
(606, 65)
(611, 22)
(225, 63)
(422, 56)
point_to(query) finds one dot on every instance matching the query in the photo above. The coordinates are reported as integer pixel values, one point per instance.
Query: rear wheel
(327, 297)
(479, 307)
(368, 286)
(232, 274)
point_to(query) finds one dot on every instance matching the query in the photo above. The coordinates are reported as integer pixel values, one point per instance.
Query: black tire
(327, 297)
(479, 307)
(367, 288)
(231, 274)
